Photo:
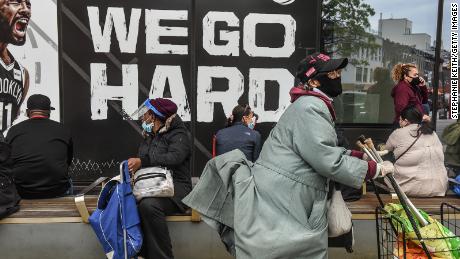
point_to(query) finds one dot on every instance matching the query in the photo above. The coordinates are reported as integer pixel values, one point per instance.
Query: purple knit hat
(164, 108)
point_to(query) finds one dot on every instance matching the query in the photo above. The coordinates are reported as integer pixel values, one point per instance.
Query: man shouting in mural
(14, 78)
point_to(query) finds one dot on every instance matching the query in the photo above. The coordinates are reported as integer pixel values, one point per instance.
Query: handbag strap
(124, 172)
(331, 190)
(408, 147)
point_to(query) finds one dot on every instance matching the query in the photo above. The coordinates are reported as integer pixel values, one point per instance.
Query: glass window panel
(359, 74)
(365, 75)
(384, 35)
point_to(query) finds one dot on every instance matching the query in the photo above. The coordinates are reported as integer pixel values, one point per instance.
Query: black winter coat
(170, 148)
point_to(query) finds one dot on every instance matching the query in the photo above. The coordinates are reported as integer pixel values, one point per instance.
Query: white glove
(384, 168)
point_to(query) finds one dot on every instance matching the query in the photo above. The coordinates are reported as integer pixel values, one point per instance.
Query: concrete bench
(54, 218)
(72, 209)
(77, 209)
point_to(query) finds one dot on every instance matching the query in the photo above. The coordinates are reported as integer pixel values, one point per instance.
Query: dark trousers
(153, 212)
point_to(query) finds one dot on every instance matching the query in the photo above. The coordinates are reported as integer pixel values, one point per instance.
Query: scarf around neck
(297, 92)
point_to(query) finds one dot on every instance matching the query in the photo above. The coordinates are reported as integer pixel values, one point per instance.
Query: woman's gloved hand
(384, 168)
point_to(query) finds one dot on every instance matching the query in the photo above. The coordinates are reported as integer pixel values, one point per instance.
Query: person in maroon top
(407, 91)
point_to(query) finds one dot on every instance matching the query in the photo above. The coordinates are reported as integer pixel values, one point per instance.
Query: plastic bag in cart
(413, 251)
(440, 241)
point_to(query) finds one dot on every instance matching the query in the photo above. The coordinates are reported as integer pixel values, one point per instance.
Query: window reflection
(373, 51)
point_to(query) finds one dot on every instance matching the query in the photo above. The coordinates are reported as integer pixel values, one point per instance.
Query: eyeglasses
(18, 2)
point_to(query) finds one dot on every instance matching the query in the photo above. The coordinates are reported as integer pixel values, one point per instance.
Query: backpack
(349, 194)
(9, 197)
(116, 220)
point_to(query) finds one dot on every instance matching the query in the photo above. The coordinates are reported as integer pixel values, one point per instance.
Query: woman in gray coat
(277, 205)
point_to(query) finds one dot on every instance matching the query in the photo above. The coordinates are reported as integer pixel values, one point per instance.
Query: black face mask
(415, 81)
(331, 87)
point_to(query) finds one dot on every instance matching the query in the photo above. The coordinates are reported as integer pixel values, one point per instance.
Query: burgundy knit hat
(165, 108)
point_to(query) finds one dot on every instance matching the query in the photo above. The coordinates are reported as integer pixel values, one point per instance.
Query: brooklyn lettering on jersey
(13, 88)
(11, 92)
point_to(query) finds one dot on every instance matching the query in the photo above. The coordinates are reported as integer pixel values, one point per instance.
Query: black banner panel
(207, 56)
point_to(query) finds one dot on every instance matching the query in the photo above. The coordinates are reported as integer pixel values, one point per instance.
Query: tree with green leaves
(344, 24)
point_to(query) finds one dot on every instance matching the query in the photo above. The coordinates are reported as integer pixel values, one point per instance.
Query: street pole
(443, 81)
(437, 63)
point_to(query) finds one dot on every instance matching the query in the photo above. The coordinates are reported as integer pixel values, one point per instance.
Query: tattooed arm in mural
(14, 20)
(26, 90)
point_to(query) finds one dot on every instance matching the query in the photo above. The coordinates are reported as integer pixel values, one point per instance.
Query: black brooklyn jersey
(12, 84)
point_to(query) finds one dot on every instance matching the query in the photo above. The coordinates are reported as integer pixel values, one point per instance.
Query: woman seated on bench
(166, 144)
(240, 134)
(419, 166)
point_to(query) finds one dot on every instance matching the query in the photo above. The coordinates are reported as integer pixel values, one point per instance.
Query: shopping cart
(405, 232)
(393, 240)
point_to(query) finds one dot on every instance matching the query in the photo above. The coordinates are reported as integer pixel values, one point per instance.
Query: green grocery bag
(439, 240)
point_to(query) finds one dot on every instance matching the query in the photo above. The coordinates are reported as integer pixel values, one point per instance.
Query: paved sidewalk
(441, 125)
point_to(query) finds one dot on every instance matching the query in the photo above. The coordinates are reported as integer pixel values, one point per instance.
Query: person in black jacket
(41, 153)
(240, 134)
(166, 144)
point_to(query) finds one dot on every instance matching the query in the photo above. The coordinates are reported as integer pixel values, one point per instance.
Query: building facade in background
(366, 80)
(400, 31)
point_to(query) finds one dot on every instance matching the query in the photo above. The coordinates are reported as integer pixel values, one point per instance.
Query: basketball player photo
(14, 78)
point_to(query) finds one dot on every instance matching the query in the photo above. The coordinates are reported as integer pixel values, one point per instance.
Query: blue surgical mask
(252, 124)
(147, 127)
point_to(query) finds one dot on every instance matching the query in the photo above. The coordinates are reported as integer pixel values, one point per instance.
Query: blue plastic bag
(456, 188)
(117, 211)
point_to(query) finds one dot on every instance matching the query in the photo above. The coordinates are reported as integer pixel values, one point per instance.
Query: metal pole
(193, 77)
(403, 198)
(443, 82)
(401, 195)
(437, 62)
(366, 150)
(371, 146)
(125, 247)
(408, 208)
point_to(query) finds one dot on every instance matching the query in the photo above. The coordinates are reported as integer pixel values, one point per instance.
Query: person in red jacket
(407, 91)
